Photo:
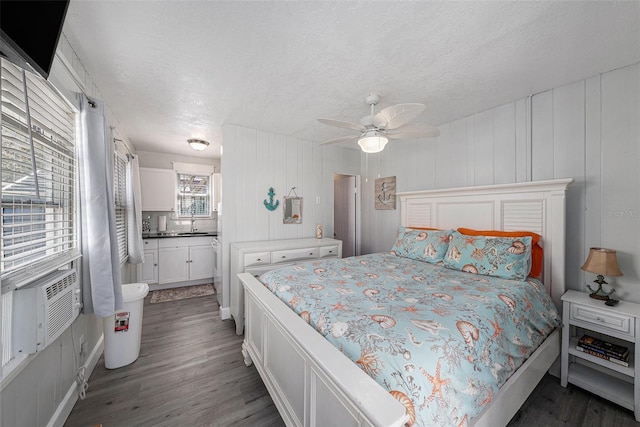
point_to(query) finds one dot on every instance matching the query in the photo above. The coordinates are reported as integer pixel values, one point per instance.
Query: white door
(174, 265)
(201, 265)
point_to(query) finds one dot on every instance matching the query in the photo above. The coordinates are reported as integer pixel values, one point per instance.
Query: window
(120, 198)
(38, 161)
(194, 195)
(38, 175)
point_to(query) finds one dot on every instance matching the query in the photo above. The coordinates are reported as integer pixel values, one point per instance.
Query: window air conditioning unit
(43, 310)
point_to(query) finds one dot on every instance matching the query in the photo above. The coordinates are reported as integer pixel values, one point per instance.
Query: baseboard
(225, 313)
(64, 408)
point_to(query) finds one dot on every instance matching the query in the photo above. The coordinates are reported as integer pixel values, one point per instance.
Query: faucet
(193, 222)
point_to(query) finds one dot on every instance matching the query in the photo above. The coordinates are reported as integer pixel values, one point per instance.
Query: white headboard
(532, 206)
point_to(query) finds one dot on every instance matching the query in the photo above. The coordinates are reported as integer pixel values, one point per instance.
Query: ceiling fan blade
(414, 131)
(344, 125)
(340, 139)
(395, 116)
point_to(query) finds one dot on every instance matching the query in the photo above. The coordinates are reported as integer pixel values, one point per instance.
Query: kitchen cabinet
(148, 269)
(158, 189)
(185, 259)
(174, 264)
(261, 256)
(201, 262)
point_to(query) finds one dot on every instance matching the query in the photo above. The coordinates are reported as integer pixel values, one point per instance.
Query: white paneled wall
(255, 160)
(588, 130)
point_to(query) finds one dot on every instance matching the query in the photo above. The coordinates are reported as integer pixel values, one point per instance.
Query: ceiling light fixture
(373, 142)
(198, 144)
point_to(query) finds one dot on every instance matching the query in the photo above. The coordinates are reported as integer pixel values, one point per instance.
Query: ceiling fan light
(198, 144)
(373, 144)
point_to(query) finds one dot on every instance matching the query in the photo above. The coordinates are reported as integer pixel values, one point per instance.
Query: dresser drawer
(257, 258)
(150, 244)
(615, 321)
(328, 251)
(294, 254)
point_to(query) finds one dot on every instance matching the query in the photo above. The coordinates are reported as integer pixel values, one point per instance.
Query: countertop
(166, 234)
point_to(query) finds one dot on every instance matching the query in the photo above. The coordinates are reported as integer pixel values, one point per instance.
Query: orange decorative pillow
(537, 254)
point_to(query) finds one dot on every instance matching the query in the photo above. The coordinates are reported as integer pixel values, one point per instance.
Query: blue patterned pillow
(422, 245)
(506, 257)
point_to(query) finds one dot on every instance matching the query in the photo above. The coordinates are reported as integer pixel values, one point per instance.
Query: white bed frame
(313, 384)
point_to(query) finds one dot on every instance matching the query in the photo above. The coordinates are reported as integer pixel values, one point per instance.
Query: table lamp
(602, 262)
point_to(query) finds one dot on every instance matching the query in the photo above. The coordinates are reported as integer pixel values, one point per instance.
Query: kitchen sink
(193, 233)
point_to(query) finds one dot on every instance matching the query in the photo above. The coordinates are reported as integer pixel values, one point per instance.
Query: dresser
(261, 256)
(620, 325)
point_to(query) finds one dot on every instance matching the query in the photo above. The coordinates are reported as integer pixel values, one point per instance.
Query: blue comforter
(441, 341)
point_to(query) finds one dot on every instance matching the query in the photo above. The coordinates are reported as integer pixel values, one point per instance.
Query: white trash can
(123, 331)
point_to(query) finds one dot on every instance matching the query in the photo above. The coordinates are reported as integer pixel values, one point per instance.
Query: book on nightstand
(603, 349)
(603, 356)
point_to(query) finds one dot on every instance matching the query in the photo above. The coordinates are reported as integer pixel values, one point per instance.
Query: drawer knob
(259, 259)
(310, 253)
(283, 256)
(599, 319)
(330, 252)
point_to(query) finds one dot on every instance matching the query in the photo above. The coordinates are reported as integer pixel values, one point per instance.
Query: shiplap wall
(588, 130)
(255, 160)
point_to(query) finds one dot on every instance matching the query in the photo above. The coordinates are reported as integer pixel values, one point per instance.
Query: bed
(316, 382)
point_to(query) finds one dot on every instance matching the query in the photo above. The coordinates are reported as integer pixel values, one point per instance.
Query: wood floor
(190, 373)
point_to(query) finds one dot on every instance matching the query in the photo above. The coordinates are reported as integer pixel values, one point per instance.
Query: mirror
(292, 210)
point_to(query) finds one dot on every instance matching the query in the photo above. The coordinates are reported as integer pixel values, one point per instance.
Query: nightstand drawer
(614, 321)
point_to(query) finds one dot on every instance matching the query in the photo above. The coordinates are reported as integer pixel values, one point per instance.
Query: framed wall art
(385, 193)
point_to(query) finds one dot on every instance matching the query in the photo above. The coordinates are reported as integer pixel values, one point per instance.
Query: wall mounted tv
(29, 32)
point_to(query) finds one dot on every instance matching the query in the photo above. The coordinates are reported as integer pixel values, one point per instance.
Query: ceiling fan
(375, 130)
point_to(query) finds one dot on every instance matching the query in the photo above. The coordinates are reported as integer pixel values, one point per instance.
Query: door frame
(358, 212)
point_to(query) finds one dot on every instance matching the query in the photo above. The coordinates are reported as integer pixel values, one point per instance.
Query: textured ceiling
(179, 69)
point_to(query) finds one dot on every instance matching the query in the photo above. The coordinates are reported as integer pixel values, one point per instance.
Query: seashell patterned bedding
(441, 341)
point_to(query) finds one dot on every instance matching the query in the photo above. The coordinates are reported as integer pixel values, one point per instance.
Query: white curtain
(101, 287)
(134, 212)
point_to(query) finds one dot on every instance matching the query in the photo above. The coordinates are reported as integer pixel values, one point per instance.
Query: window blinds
(120, 199)
(38, 173)
(194, 195)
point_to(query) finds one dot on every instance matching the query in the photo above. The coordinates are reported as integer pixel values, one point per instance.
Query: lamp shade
(602, 261)
(198, 144)
(373, 142)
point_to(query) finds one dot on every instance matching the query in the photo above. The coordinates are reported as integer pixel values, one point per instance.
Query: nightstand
(582, 314)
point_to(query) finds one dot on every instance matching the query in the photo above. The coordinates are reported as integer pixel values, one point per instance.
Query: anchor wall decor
(385, 191)
(270, 205)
